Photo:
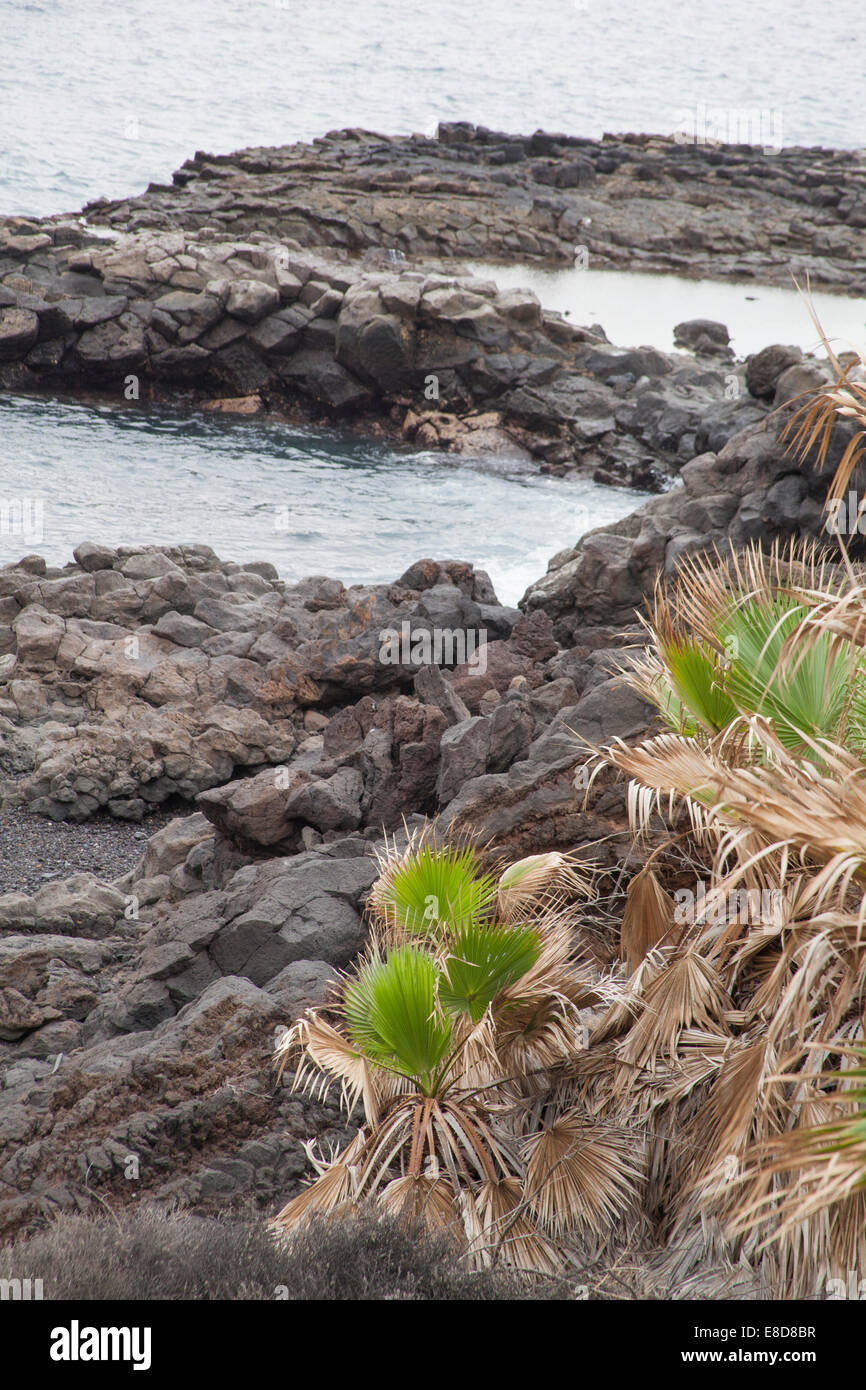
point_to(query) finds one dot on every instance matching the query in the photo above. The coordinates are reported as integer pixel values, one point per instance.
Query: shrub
(149, 1254)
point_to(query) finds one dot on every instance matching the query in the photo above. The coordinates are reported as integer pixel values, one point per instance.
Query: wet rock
(117, 346)
(702, 335)
(18, 330)
(377, 347)
(766, 367)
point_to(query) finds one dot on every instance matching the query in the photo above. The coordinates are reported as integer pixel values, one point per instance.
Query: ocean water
(311, 502)
(100, 97)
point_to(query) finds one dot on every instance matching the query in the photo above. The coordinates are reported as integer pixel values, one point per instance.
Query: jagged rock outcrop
(132, 677)
(442, 361)
(299, 280)
(752, 490)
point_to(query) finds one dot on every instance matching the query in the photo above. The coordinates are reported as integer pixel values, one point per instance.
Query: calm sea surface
(99, 97)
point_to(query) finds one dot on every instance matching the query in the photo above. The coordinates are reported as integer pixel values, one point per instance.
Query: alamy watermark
(77, 1343)
(441, 646)
(846, 516)
(852, 1288)
(23, 517)
(738, 905)
(728, 125)
(21, 1290)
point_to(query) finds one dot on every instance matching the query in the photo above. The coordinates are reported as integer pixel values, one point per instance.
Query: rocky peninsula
(256, 718)
(318, 282)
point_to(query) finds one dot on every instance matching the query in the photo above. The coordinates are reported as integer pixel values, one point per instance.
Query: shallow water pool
(311, 502)
(637, 309)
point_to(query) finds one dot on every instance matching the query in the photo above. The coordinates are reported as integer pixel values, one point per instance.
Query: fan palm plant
(724, 1047)
(716, 1049)
(738, 637)
(448, 1031)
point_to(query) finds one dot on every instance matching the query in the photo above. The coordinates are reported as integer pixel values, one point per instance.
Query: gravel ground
(35, 851)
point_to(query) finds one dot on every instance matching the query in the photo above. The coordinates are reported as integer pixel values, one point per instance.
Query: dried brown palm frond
(708, 582)
(820, 815)
(538, 883)
(446, 1146)
(325, 1056)
(825, 1149)
(425, 1197)
(825, 1247)
(816, 422)
(648, 919)
(817, 997)
(721, 1037)
(772, 968)
(699, 1057)
(536, 1033)
(580, 1174)
(811, 1225)
(687, 994)
(332, 1194)
(840, 612)
(626, 1006)
(745, 1104)
(506, 1231)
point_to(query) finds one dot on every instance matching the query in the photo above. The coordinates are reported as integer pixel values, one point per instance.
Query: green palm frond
(694, 691)
(849, 1131)
(809, 694)
(429, 885)
(483, 959)
(393, 1018)
(733, 638)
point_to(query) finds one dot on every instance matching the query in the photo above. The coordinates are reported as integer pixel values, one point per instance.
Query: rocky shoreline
(324, 282)
(261, 720)
(137, 1015)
